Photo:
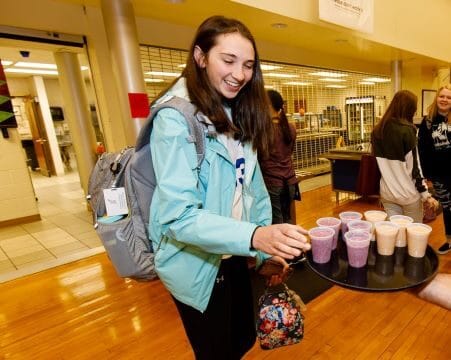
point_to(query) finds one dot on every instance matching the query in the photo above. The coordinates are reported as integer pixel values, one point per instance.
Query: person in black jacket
(434, 146)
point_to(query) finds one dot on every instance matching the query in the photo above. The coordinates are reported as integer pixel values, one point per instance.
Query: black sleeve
(425, 147)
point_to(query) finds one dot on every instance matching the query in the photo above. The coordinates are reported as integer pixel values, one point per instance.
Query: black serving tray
(381, 273)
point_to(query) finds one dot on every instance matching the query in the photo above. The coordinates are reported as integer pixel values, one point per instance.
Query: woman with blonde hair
(434, 145)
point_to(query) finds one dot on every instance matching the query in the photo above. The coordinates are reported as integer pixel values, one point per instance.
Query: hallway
(64, 234)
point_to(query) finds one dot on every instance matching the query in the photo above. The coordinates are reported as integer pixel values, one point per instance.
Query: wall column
(39, 85)
(77, 112)
(396, 73)
(120, 27)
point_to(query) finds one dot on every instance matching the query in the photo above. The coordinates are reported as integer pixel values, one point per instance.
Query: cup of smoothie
(386, 233)
(332, 223)
(401, 221)
(357, 244)
(321, 238)
(347, 216)
(417, 239)
(360, 225)
(374, 216)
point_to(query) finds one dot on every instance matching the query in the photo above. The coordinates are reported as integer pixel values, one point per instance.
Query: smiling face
(444, 101)
(229, 63)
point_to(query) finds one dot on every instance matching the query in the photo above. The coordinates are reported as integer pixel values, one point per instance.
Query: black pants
(281, 199)
(442, 188)
(226, 330)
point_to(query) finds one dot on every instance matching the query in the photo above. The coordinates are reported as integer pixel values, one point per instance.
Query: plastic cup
(386, 233)
(417, 239)
(347, 216)
(374, 216)
(321, 239)
(401, 221)
(362, 225)
(357, 244)
(415, 268)
(385, 266)
(333, 223)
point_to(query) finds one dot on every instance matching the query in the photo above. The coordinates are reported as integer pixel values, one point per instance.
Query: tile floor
(65, 233)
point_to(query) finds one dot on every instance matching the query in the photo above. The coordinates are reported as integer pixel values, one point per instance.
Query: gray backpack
(125, 238)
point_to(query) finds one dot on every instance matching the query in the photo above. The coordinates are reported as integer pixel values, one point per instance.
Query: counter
(345, 166)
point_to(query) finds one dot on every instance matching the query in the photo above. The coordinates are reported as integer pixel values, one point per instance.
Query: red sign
(139, 105)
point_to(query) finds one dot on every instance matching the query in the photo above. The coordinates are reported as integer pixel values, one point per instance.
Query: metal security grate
(326, 106)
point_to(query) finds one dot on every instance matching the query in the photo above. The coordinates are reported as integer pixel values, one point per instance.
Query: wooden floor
(84, 311)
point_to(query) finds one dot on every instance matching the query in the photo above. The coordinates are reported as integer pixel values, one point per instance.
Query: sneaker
(445, 248)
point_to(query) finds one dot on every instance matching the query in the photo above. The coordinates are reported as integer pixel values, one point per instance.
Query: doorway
(66, 226)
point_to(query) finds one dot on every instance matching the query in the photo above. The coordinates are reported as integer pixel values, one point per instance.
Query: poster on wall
(7, 118)
(353, 14)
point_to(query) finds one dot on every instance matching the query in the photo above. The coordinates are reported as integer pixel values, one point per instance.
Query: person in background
(434, 145)
(206, 221)
(394, 141)
(277, 167)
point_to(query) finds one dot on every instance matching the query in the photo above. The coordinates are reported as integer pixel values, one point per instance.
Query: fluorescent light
(297, 83)
(32, 71)
(84, 68)
(269, 87)
(336, 86)
(286, 76)
(366, 83)
(332, 79)
(35, 65)
(153, 80)
(328, 74)
(377, 79)
(269, 67)
(6, 62)
(182, 66)
(162, 73)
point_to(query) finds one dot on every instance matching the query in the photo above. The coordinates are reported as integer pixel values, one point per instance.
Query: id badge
(115, 201)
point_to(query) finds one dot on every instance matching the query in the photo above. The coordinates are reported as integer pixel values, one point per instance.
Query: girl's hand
(282, 240)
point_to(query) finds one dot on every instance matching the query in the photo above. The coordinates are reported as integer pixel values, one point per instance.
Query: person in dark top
(277, 167)
(434, 146)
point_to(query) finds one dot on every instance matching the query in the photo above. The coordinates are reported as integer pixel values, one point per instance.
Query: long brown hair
(402, 108)
(433, 108)
(249, 108)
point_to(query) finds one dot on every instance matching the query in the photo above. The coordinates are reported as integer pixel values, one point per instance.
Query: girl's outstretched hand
(284, 240)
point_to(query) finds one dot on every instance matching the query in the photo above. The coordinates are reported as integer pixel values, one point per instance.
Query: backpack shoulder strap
(196, 128)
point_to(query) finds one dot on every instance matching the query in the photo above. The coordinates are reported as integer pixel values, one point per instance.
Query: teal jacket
(190, 218)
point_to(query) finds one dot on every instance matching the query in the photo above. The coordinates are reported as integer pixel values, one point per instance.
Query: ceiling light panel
(328, 74)
(281, 75)
(297, 83)
(31, 71)
(34, 65)
(266, 67)
(332, 79)
(377, 79)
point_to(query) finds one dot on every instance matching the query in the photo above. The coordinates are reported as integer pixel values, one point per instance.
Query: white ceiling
(192, 12)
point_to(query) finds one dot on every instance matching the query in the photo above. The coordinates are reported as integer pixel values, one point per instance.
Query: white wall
(17, 199)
